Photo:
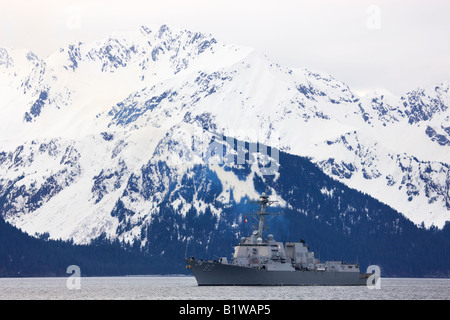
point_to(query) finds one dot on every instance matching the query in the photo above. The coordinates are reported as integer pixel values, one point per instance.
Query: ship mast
(262, 222)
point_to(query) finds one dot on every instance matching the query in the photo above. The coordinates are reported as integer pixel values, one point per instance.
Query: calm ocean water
(181, 288)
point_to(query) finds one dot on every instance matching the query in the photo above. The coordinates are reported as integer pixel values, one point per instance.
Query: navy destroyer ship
(266, 262)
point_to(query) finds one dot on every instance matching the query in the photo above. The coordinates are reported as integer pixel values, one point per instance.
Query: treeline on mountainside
(24, 256)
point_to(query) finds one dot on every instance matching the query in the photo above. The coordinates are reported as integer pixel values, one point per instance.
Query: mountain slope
(90, 133)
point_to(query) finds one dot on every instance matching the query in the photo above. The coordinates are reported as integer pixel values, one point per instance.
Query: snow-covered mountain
(96, 136)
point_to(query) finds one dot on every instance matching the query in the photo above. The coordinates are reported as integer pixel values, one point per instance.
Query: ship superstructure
(263, 261)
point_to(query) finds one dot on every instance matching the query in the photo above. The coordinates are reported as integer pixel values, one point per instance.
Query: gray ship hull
(213, 273)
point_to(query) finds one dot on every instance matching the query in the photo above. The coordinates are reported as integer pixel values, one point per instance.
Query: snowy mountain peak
(91, 134)
(5, 59)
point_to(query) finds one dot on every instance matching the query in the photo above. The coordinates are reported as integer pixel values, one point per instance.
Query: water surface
(181, 288)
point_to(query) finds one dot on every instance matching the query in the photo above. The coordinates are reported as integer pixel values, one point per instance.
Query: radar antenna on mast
(261, 214)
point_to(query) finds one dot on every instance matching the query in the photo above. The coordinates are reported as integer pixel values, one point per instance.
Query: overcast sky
(394, 45)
